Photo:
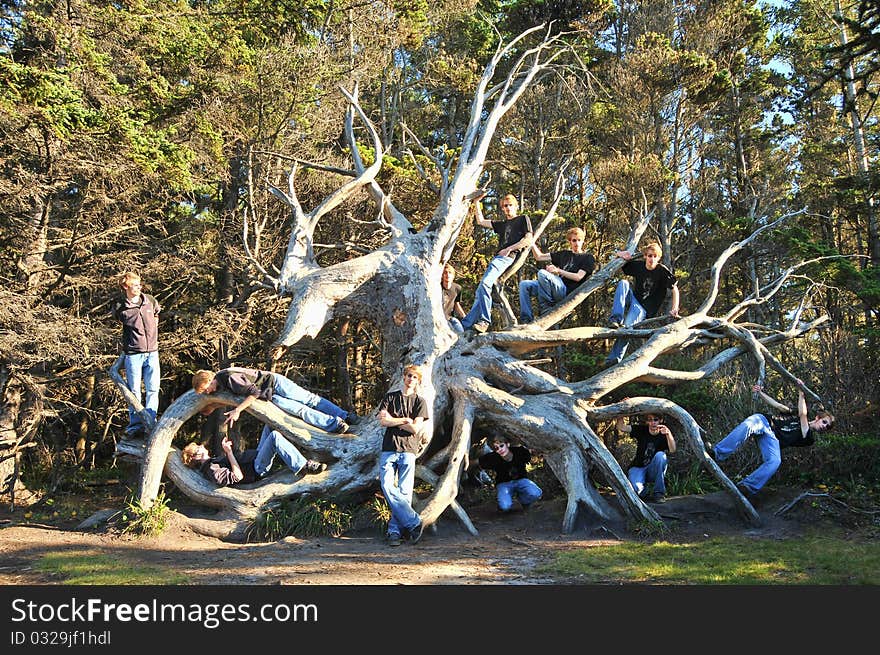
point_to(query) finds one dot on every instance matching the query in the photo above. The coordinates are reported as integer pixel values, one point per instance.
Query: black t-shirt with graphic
(647, 445)
(398, 440)
(650, 286)
(506, 471)
(509, 232)
(573, 262)
(787, 428)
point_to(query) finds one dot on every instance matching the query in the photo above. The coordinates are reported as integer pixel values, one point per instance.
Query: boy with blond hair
(139, 314)
(643, 298)
(403, 414)
(562, 275)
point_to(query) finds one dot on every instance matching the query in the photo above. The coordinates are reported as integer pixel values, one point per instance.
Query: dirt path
(509, 549)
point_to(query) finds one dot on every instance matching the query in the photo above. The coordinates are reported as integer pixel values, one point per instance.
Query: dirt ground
(508, 550)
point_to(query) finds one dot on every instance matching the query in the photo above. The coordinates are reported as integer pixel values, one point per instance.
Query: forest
(288, 178)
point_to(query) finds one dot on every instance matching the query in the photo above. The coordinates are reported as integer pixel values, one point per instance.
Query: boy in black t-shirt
(653, 441)
(643, 298)
(771, 434)
(511, 477)
(514, 234)
(566, 270)
(403, 414)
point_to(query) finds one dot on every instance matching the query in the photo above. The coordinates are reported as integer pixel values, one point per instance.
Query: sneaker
(658, 497)
(353, 419)
(342, 428)
(312, 467)
(481, 326)
(394, 540)
(710, 450)
(415, 535)
(613, 323)
(745, 491)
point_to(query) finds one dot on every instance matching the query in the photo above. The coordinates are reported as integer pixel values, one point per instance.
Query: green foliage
(807, 560)
(693, 480)
(147, 522)
(94, 568)
(302, 517)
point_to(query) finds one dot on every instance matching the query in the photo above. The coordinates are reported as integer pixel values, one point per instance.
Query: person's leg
(526, 289)
(770, 452)
(527, 491)
(289, 389)
(393, 471)
(622, 296)
(271, 443)
(504, 493)
(635, 313)
(735, 438)
(636, 475)
(311, 416)
(482, 307)
(134, 365)
(552, 288)
(152, 379)
(656, 471)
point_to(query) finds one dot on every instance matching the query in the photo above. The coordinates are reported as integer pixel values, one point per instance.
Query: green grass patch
(90, 568)
(813, 560)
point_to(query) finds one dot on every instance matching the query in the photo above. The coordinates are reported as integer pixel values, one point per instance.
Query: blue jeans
(273, 443)
(308, 406)
(654, 472)
(757, 426)
(142, 367)
(482, 309)
(628, 311)
(398, 493)
(549, 288)
(526, 491)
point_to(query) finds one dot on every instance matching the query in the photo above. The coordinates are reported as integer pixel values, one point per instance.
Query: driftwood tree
(475, 380)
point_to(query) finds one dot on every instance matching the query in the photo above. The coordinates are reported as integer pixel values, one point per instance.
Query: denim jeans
(757, 426)
(628, 311)
(482, 308)
(456, 325)
(398, 493)
(549, 288)
(654, 472)
(273, 443)
(526, 491)
(308, 406)
(142, 367)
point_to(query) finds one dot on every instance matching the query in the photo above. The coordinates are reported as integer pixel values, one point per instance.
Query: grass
(811, 560)
(90, 568)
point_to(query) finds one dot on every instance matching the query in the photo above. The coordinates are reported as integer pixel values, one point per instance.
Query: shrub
(141, 521)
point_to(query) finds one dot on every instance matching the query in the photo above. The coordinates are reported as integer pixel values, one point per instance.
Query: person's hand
(550, 268)
(232, 416)
(674, 313)
(226, 444)
(476, 196)
(757, 388)
(504, 252)
(626, 255)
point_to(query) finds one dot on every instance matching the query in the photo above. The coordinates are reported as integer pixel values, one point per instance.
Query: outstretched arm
(538, 255)
(226, 444)
(802, 412)
(758, 389)
(478, 210)
(232, 416)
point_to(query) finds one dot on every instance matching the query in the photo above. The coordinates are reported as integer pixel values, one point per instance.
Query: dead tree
(474, 380)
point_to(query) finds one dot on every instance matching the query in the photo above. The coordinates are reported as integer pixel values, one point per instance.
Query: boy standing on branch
(514, 234)
(139, 314)
(643, 298)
